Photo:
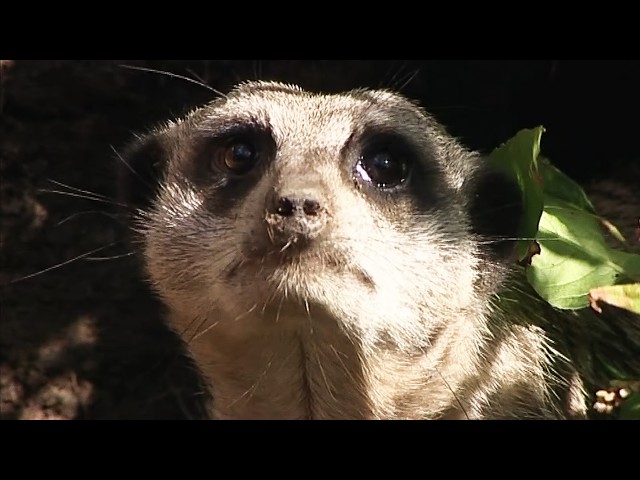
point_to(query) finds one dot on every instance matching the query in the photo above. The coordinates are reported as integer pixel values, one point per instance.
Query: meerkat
(342, 257)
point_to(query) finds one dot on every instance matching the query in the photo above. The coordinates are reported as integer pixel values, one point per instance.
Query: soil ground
(81, 336)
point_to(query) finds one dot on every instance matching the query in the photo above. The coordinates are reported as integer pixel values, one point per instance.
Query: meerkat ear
(140, 171)
(495, 206)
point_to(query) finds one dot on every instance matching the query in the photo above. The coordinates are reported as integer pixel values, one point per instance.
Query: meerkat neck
(318, 371)
(274, 370)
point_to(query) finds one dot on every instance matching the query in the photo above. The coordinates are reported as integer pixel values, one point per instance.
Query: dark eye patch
(389, 164)
(238, 156)
(385, 161)
(228, 161)
(231, 153)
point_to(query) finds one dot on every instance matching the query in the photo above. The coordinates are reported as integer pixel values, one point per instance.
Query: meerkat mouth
(298, 261)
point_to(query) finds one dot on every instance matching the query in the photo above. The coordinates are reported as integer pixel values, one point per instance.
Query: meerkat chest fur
(336, 256)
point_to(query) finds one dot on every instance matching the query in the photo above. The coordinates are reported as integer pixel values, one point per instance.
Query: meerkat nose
(296, 205)
(296, 215)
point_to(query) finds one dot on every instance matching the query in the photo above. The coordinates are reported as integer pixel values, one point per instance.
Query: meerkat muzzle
(296, 217)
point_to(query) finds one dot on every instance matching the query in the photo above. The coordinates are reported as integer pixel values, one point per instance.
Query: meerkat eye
(239, 157)
(383, 169)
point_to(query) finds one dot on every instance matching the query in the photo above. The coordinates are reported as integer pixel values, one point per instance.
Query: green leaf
(557, 185)
(574, 257)
(518, 158)
(622, 296)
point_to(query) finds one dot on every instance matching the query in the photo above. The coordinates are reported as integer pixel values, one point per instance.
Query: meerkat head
(272, 199)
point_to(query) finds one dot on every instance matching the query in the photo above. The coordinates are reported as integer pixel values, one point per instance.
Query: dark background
(85, 340)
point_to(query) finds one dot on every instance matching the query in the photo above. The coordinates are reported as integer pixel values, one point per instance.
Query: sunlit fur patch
(184, 203)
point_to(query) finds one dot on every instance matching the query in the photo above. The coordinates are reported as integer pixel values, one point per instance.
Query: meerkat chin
(339, 256)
